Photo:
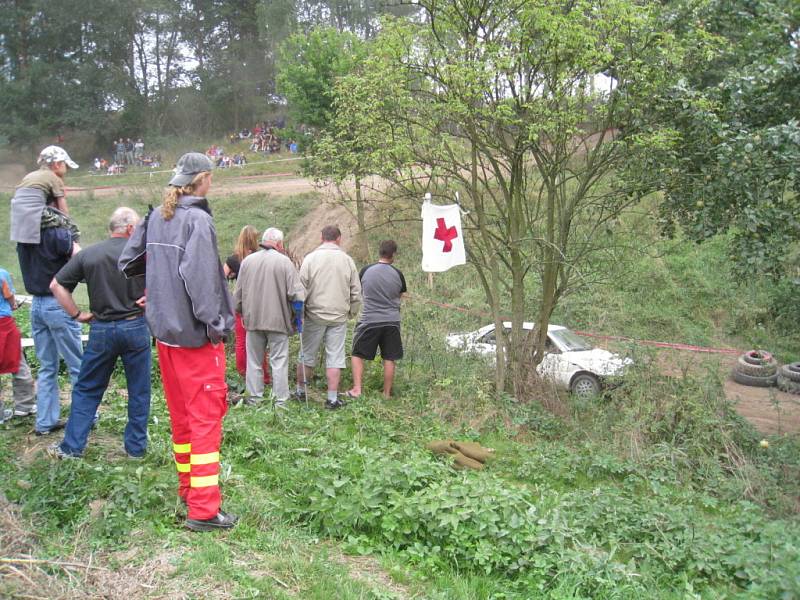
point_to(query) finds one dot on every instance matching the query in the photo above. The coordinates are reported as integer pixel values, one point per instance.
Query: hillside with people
(442, 300)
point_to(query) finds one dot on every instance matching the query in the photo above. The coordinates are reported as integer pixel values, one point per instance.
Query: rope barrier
(600, 336)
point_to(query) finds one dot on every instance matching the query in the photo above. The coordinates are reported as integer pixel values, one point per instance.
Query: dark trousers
(128, 339)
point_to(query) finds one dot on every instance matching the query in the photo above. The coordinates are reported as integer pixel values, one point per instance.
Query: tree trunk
(549, 279)
(361, 219)
(492, 283)
(519, 372)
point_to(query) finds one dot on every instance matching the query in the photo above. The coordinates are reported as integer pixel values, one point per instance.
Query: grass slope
(657, 491)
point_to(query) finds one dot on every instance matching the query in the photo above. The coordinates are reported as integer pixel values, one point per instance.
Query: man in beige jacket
(267, 285)
(333, 294)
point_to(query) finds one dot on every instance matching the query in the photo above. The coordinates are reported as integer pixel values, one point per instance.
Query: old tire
(585, 386)
(791, 371)
(787, 385)
(758, 357)
(764, 370)
(752, 381)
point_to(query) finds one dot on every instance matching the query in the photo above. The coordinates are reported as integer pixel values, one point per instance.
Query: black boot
(221, 521)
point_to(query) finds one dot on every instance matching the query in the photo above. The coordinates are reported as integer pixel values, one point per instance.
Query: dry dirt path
(770, 410)
(306, 234)
(276, 185)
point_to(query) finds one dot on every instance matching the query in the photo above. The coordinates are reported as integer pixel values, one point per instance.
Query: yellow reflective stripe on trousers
(181, 448)
(183, 467)
(207, 481)
(204, 459)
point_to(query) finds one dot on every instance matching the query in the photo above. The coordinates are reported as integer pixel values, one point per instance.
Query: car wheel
(750, 380)
(585, 385)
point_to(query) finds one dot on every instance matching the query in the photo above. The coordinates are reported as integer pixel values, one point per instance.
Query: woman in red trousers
(246, 244)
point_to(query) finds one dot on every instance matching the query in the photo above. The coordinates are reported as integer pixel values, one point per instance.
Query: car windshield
(570, 340)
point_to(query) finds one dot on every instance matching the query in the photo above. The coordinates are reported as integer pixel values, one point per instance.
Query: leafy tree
(359, 139)
(58, 67)
(503, 102)
(309, 65)
(734, 138)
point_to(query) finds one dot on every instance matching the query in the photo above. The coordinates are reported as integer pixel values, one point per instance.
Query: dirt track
(269, 184)
(768, 409)
(306, 234)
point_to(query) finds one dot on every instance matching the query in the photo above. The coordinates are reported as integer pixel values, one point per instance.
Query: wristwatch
(76, 315)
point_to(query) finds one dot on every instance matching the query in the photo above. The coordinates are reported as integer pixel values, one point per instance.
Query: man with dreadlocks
(190, 312)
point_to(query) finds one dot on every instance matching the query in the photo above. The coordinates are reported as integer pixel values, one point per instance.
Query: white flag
(442, 239)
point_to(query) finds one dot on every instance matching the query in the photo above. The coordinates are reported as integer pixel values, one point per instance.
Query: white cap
(53, 154)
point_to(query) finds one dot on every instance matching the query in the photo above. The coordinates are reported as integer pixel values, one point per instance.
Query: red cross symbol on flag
(445, 234)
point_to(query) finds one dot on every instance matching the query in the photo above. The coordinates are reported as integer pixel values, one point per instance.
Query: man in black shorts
(382, 287)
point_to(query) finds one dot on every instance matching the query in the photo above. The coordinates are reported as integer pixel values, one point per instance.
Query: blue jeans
(108, 340)
(54, 335)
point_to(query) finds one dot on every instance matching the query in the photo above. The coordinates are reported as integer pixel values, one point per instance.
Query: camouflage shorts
(52, 217)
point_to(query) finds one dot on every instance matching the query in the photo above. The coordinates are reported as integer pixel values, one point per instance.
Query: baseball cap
(53, 154)
(189, 165)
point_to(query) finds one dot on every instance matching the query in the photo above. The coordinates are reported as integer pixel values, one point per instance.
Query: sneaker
(60, 424)
(333, 405)
(281, 406)
(253, 400)
(6, 414)
(55, 451)
(24, 413)
(222, 520)
(297, 395)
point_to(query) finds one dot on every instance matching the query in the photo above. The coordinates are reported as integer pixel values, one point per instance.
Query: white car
(570, 361)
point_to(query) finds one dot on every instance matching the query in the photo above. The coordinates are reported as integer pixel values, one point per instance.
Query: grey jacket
(26, 215)
(188, 302)
(267, 283)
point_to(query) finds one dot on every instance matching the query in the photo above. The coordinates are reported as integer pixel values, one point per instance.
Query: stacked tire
(758, 368)
(789, 378)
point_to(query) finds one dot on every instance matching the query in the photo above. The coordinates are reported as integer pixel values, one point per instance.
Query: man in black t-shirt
(117, 330)
(382, 287)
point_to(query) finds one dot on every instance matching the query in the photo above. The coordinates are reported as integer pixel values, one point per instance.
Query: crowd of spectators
(264, 137)
(125, 153)
(160, 277)
(222, 160)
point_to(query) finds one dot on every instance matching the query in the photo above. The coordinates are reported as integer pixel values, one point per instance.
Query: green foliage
(729, 164)
(152, 66)
(56, 72)
(310, 63)
(363, 137)
(615, 525)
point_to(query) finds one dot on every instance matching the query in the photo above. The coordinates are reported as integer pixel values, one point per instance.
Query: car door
(485, 344)
(554, 367)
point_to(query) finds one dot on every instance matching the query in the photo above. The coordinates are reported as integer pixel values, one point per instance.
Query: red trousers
(10, 347)
(241, 352)
(194, 384)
